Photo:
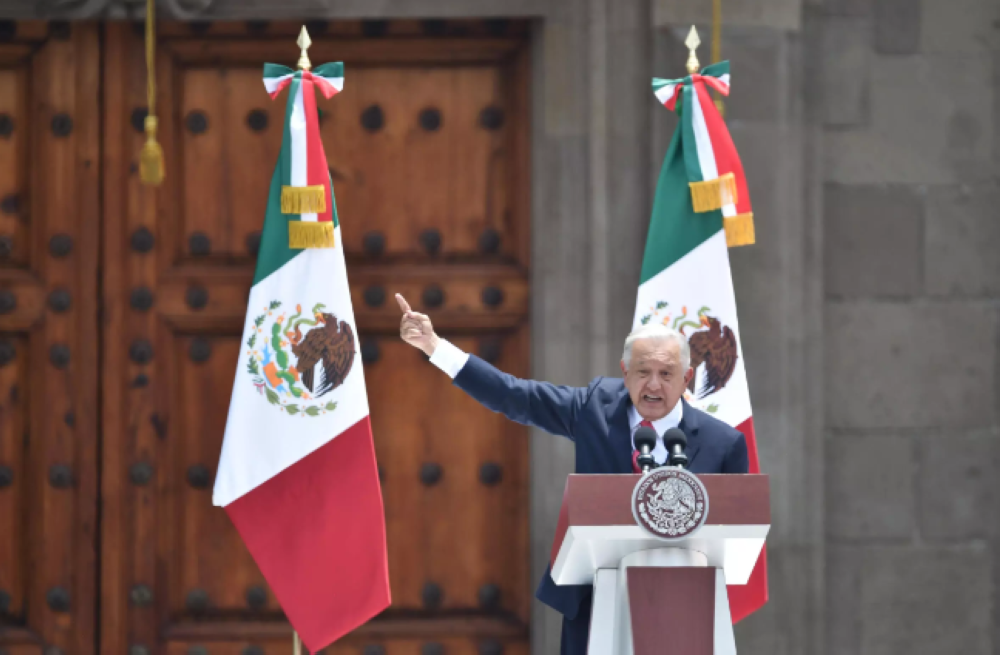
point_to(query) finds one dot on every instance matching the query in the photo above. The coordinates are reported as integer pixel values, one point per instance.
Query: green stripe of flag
(674, 228)
(276, 70)
(333, 69)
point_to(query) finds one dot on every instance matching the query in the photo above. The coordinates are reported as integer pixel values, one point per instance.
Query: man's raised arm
(541, 404)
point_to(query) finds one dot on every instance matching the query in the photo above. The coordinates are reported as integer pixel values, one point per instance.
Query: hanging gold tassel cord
(713, 194)
(310, 234)
(296, 644)
(151, 157)
(303, 199)
(739, 230)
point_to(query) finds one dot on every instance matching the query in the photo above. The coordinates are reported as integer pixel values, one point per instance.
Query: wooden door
(49, 347)
(427, 147)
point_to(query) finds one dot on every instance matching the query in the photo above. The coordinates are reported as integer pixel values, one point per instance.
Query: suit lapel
(690, 427)
(620, 434)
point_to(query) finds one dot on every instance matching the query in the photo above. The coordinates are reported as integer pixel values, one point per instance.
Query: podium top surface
(606, 499)
(596, 525)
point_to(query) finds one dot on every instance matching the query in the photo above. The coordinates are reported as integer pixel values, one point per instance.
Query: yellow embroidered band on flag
(713, 194)
(310, 234)
(303, 199)
(739, 230)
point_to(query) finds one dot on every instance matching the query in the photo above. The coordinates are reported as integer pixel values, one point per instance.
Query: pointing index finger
(403, 305)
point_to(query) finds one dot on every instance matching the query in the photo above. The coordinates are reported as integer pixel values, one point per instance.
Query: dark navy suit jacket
(595, 418)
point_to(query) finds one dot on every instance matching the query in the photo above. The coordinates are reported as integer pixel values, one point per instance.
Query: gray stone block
(957, 486)
(758, 76)
(872, 241)
(996, 108)
(771, 156)
(910, 365)
(296, 9)
(784, 625)
(931, 123)
(958, 26)
(564, 87)
(996, 600)
(918, 601)
(963, 236)
(842, 590)
(926, 601)
(846, 49)
(852, 8)
(869, 487)
(897, 26)
(776, 14)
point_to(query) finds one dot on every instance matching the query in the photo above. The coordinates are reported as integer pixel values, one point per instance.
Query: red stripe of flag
(317, 171)
(316, 531)
(727, 160)
(746, 599)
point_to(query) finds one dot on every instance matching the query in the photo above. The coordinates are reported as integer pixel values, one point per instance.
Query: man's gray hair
(657, 332)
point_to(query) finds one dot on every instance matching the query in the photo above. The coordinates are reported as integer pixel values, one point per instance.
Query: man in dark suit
(600, 418)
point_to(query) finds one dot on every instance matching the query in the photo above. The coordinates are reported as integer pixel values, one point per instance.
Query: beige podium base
(665, 601)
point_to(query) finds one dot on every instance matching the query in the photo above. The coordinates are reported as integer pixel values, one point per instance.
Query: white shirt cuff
(449, 358)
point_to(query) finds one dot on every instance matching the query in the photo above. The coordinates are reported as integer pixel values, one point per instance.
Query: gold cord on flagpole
(717, 46)
(296, 643)
(151, 157)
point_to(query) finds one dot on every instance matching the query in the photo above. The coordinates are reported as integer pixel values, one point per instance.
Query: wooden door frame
(61, 198)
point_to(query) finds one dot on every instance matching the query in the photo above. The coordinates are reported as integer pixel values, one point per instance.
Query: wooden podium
(653, 595)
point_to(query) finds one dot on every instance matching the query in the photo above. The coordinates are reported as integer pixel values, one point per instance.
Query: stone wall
(870, 307)
(911, 230)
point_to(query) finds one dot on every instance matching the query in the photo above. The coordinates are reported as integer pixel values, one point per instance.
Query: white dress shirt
(451, 359)
(671, 420)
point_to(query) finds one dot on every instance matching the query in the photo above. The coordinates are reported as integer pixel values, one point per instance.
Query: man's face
(655, 378)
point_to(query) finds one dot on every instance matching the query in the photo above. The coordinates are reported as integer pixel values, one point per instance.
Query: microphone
(645, 441)
(675, 442)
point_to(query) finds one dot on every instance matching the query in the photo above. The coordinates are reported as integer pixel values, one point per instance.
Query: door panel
(49, 166)
(427, 149)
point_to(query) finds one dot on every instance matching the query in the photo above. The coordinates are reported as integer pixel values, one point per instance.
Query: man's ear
(688, 376)
(622, 364)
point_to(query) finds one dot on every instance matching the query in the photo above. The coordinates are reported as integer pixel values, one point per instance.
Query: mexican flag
(701, 208)
(297, 474)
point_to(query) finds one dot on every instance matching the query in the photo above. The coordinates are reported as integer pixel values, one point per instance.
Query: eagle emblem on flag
(297, 358)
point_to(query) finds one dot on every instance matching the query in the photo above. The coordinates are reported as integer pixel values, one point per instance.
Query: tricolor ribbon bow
(714, 171)
(306, 188)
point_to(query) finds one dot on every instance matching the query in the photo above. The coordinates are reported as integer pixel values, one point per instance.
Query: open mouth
(651, 399)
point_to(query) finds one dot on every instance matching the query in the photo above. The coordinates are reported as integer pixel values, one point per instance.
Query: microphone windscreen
(675, 436)
(645, 436)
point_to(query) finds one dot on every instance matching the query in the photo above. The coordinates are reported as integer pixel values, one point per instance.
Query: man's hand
(416, 329)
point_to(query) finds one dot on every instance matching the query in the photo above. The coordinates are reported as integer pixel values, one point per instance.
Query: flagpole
(303, 64)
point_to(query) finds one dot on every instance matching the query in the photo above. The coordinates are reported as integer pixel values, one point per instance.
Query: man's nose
(653, 384)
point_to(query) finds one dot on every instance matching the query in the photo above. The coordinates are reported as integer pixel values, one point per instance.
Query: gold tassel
(713, 194)
(303, 199)
(739, 230)
(310, 234)
(151, 157)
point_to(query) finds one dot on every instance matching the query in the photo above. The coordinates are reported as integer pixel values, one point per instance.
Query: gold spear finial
(304, 42)
(692, 42)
